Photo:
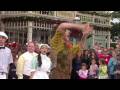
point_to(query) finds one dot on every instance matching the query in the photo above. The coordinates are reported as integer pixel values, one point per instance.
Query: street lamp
(76, 20)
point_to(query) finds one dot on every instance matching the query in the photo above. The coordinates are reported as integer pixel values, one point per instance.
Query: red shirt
(106, 57)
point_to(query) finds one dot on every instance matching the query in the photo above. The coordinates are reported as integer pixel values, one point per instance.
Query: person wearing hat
(23, 68)
(6, 57)
(42, 67)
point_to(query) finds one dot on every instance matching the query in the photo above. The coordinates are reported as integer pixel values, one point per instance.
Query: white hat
(99, 51)
(44, 45)
(3, 34)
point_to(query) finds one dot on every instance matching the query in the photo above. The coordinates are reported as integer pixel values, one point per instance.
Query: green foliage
(116, 26)
(116, 14)
(113, 45)
(115, 29)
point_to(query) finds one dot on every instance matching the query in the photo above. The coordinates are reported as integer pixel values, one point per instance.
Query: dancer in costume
(61, 41)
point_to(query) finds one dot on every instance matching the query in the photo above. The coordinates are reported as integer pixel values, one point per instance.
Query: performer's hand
(87, 29)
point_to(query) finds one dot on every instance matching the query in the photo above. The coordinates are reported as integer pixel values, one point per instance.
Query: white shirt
(28, 57)
(42, 72)
(5, 59)
(46, 63)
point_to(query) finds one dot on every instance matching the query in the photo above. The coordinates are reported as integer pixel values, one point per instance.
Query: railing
(95, 20)
(65, 14)
(60, 15)
(5, 14)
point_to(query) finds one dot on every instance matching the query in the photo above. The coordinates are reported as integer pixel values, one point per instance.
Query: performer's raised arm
(85, 28)
(63, 26)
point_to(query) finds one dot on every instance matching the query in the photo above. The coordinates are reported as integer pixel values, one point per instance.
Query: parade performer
(63, 42)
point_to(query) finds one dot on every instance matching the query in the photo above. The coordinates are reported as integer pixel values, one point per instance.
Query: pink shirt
(93, 69)
(83, 73)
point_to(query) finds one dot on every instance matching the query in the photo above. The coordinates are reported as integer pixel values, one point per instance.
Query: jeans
(111, 77)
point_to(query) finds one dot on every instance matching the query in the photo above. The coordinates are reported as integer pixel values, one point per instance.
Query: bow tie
(2, 47)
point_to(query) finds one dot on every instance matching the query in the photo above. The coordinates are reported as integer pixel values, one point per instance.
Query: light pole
(76, 20)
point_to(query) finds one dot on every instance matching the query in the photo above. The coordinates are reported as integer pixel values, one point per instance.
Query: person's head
(99, 51)
(88, 27)
(79, 53)
(102, 48)
(118, 57)
(3, 38)
(85, 52)
(93, 53)
(44, 48)
(117, 46)
(105, 51)
(102, 62)
(93, 61)
(84, 66)
(30, 47)
(113, 53)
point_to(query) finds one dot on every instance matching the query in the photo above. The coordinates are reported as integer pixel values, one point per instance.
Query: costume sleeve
(20, 67)
(57, 42)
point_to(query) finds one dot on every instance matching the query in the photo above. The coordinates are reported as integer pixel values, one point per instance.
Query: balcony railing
(95, 20)
(60, 15)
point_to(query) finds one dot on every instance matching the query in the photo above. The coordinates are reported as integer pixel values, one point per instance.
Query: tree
(116, 14)
(115, 26)
(115, 30)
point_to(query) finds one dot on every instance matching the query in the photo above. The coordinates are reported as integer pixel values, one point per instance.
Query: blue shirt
(111, 65)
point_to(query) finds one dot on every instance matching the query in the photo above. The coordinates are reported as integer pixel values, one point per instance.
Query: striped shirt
(5, 59)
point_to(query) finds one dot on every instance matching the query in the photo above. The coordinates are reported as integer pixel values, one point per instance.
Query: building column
(93, 38)
(2, 24)
(55, 13)
(29, 34)
(109, 39)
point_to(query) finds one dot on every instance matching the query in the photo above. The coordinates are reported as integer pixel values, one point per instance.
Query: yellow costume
(58, 44)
